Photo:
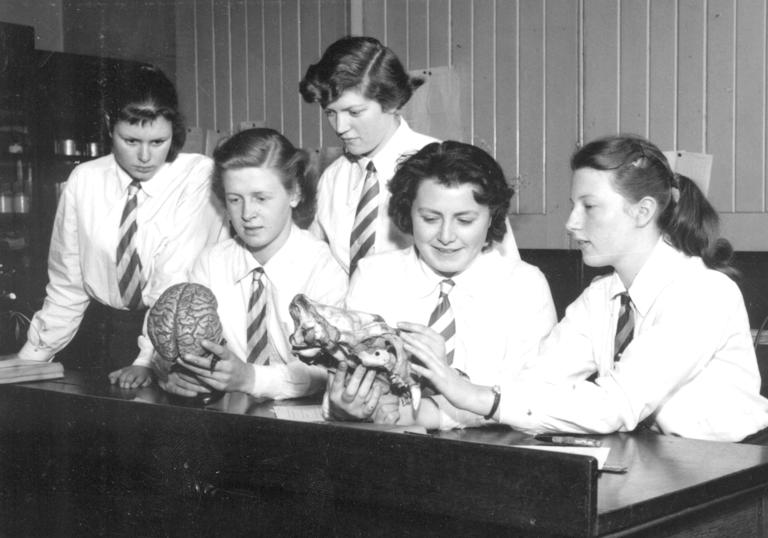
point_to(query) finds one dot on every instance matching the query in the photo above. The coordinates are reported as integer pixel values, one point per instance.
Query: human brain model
(183, 316)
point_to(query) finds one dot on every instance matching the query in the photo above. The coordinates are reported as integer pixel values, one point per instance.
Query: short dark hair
(362, 63)
(267, 148)
(451, 163)
(140, 94)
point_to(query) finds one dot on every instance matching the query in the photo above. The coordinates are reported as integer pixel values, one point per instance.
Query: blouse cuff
(32, 352)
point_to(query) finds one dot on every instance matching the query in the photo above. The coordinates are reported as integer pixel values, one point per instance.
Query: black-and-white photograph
(383, 268)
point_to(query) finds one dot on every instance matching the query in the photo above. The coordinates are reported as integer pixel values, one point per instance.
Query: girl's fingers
(416, 329)
(195, 369)
(367, 383)
(434, 345)
(213, 347)
(372, 395)
(336, 379)
(420, 370)
(353, 385)
(422, 353)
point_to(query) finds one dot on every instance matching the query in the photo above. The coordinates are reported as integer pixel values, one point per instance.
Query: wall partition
(529, 80)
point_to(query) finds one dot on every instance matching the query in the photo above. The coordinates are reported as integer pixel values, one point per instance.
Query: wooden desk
(78, 457)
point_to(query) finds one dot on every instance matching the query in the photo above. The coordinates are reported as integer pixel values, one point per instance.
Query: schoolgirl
(662, 342)
(361, 86)
(452, 294)
(128, 225)
(265, 183)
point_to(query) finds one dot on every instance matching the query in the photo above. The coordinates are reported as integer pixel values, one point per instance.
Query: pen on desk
(616, 469)
(567, 440)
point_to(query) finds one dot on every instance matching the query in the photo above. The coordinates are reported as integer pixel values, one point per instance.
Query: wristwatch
(496, 398)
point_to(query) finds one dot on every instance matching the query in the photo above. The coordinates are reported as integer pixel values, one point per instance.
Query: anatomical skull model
(356, 338)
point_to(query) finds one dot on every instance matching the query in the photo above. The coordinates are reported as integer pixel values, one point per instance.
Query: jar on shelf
(6, 199)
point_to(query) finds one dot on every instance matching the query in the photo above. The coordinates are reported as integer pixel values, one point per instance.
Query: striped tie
(442, 320)
(625, 326)
(128, 262)
(256, 331)
(364, 230)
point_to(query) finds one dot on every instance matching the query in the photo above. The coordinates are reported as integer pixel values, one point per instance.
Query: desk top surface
(664, 472)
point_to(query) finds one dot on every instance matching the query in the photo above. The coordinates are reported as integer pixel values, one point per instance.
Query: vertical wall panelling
(204, 44)
(309, 32)
(507, 91)
(633, 67)
(418, 34)
(720, 119)
(222, 83)
(601, 49)
(483, 75)
(333, 25)
(663, 98)
(535, 78)
(256, 72)
(532, 105)
(356, 17)
(238, 51)
(439, 33)
(291, 71)
(186, 60)
(750, 113)
(764, 80)
(461, 59)
(397, 29)
(375, 19)
(561, 126)
(273, 81)
(690, 76)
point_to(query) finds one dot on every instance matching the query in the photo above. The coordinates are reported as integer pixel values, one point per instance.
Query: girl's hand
(428, 347)
(222, 371)
(429, 339)
(387, 410)
(131, 377)
(182, 384)
(352, 396)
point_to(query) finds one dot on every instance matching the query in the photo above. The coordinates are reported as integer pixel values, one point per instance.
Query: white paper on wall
(697, 166)
(434, 107)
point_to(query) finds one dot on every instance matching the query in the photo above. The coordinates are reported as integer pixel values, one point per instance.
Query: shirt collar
(151, 187)
(472, 278)
(657, 272)
(280, 263)
(386, 159)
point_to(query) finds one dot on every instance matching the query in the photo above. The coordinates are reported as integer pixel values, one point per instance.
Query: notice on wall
(697, 166)
(434, 107)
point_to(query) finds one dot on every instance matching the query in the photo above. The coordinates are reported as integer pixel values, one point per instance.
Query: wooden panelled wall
(241, 61)
(536, 78)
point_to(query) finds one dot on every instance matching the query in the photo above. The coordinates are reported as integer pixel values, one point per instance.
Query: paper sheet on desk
(300, 413)
(314, 413)
(600, 453)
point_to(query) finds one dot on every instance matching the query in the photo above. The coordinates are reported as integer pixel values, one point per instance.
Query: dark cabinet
(16, 157)
(67, 124)
(50, 121)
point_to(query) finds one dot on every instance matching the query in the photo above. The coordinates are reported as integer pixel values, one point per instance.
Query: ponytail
(693, 227)
(640, 169)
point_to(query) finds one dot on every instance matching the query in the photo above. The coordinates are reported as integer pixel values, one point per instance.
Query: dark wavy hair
(267, 148)
(451, 164)
(140, 94)
(362, 63)
(640, 169)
